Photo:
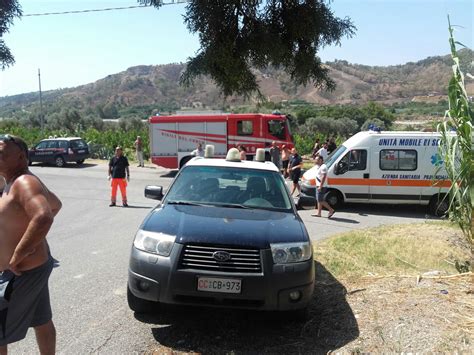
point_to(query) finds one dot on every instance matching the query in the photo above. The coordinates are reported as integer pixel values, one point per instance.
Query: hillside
(149, 88)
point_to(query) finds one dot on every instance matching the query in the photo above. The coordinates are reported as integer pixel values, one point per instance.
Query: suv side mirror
(154, 192)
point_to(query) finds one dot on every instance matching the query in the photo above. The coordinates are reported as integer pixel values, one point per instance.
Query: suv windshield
(229, 187)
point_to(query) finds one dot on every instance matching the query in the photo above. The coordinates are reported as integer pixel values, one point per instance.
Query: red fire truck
(173, 138)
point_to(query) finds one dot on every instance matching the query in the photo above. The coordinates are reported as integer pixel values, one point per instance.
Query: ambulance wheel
(184, 161)
(334, 198)
(439, 205)
(59, 161)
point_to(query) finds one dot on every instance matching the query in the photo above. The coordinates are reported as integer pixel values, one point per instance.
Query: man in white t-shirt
(323, 152)
(198, 152)
(321, 189)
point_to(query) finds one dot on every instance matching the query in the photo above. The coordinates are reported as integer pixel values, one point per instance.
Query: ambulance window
(352, 161)
(277, 128)
(398, 159)
(244, 128)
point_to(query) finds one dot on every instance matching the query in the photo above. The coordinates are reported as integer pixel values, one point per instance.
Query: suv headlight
(284, 253)
(156, 243)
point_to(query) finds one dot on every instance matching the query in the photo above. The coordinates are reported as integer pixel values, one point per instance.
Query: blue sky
(78, 49)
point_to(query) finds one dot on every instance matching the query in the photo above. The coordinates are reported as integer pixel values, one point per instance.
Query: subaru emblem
(221, 256)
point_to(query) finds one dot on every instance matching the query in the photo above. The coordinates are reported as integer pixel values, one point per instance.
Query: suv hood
(226, 226)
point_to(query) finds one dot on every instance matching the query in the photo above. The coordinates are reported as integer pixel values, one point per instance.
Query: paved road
(91, 242)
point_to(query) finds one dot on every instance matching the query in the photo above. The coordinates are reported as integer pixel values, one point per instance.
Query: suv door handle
(366, 175)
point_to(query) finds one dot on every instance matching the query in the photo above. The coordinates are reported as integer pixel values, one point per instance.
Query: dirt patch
(403, 315)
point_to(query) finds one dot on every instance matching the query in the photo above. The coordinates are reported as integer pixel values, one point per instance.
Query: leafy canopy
(9, 9)
(238, 35)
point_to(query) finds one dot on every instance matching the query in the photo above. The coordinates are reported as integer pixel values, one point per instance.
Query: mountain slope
(159, 86)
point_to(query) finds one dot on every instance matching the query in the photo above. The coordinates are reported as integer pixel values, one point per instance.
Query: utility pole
(41, 102)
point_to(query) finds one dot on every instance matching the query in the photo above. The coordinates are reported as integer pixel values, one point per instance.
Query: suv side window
(42, 145)
(78, 144)
(52, 145)
(63, 144)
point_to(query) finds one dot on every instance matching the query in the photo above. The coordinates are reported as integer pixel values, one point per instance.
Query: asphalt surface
(91, 242)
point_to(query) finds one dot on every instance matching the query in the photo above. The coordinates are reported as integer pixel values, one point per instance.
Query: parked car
(59, 151)
(226, 234)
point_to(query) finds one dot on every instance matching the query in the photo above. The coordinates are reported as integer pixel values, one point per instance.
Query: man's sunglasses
(20, 144)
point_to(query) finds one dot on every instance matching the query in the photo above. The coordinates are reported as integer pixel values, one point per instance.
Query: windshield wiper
(187, 203)
(232, 205)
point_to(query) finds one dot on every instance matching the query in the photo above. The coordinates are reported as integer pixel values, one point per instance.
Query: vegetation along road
(92, 241)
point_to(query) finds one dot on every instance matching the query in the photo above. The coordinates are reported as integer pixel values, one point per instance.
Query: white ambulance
(384, 167)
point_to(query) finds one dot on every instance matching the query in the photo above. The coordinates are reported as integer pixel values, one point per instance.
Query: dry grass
(394, 250)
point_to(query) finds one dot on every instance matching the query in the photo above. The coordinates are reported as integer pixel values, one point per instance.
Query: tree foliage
(9, 9)
(238, 35)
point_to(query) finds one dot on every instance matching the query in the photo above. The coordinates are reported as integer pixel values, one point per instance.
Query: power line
(170, 2)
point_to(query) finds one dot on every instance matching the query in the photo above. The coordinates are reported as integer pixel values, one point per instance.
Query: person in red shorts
(120, 174)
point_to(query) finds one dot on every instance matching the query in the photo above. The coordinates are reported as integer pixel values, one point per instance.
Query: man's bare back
(15, 220)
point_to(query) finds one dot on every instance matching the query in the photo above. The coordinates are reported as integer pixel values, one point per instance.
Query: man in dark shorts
(294, 169)
(27, 211)
(321, 189)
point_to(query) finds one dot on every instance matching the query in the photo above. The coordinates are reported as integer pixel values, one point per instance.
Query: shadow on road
(344, 220)
(142, 207)
(364, 209)
(67, 165)
(170, 174)
(331, 325)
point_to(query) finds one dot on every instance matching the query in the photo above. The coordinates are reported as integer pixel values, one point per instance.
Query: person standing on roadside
(243, 152)
(321, 189)
(316, 148)
(323, 152)
(27, 211)
(139, 151)
(198, 152)
(332, 146)
(275, 155)
(120, 174)
(285, 160)
(294, 169)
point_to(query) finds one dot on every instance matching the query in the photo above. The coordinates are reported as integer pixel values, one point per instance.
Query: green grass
(410, 249)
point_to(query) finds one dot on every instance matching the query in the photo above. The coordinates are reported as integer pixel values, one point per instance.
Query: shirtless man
(27, 210)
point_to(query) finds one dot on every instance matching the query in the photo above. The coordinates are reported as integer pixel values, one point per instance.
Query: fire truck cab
(173, 138)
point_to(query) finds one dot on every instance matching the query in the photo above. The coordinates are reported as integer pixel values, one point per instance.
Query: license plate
(214, 284)
(81, 151)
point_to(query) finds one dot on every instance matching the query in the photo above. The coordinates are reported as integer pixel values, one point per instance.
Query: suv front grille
(201, 258)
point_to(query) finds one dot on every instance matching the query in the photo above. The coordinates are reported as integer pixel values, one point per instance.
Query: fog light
(295, 296)
(143, 285)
